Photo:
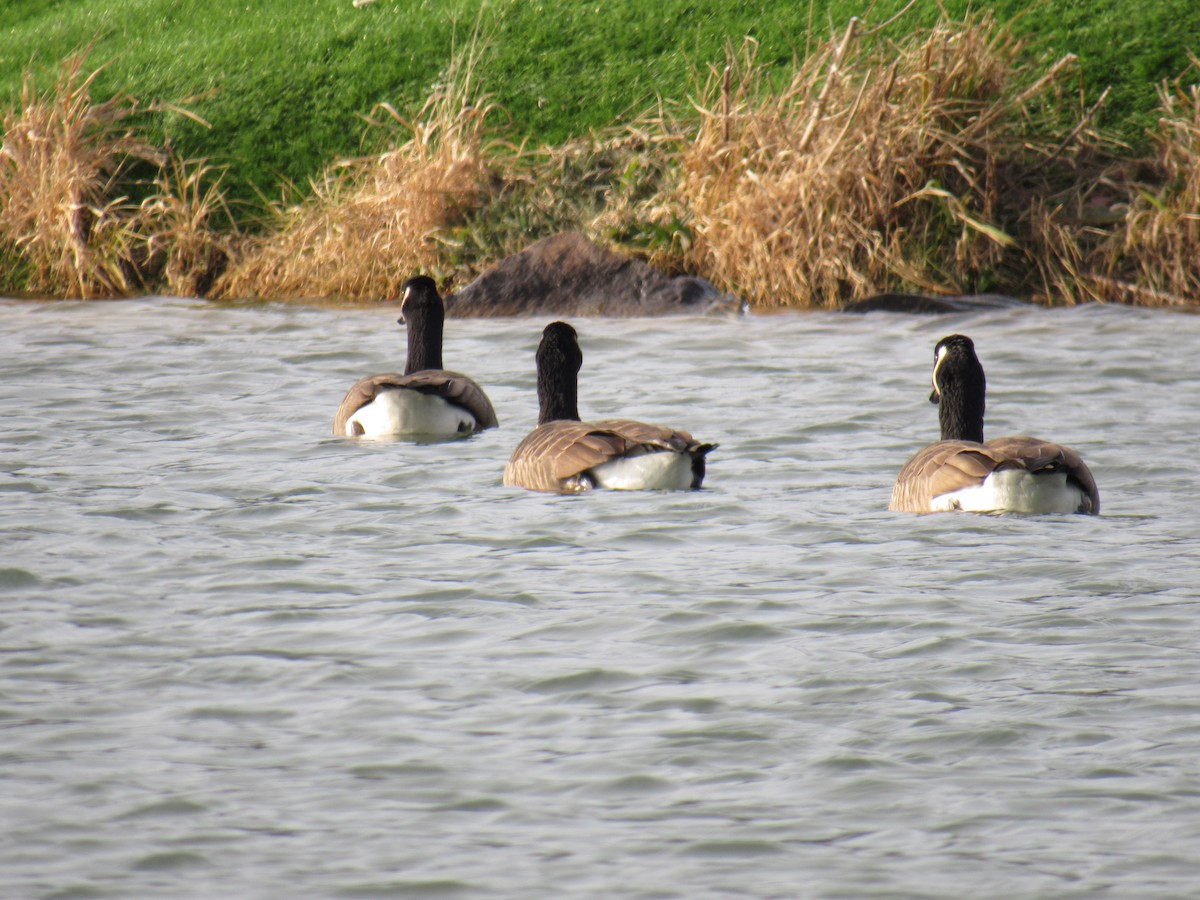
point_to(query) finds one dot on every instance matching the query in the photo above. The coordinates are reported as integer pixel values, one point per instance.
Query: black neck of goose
(559, 360)
(558, 396)
(424, 338)
(961, 401)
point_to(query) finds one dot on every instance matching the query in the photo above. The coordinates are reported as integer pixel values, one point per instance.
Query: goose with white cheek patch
(566, 456)
(427, 400)
(962, 471)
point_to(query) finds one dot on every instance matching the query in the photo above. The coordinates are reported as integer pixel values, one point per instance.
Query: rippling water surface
(241, 658)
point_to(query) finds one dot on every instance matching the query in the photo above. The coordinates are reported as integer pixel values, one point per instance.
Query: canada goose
(426, 399)
(563, 455)
(962, 471)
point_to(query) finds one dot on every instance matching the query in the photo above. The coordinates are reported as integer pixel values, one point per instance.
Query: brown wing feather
(947, 466)
(938, 469)
(656, 436)
(553, 455)
(451, 386)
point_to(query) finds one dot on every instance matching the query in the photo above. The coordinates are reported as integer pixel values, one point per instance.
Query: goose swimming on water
(426, 400)
(962, 471)
(564, 455)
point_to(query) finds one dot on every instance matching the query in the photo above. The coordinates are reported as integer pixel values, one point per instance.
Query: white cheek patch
(937, 364)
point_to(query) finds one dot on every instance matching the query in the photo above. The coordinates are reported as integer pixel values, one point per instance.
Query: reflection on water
(242, 657)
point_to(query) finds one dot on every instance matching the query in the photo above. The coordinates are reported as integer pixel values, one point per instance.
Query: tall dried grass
(373, 221)
(1159, 245)
(61, 167)
(66, 216)
(866, 171)
(186, 230)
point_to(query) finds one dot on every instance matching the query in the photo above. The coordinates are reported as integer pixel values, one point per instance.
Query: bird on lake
(427, 400)
(962, 471)
(564, 455)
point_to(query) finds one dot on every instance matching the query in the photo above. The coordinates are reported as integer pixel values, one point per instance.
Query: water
(241, 658)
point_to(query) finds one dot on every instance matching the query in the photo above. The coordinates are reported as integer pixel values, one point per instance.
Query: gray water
(241, 658)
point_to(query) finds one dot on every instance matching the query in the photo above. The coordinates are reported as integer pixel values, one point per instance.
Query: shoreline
(941, 164)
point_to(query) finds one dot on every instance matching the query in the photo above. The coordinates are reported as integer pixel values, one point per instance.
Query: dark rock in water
(568, 275)
(930, 305)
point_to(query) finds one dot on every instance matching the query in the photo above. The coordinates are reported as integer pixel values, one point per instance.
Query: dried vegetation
(876, 167)
(1154, 257)
(67, 220)
(60, 179)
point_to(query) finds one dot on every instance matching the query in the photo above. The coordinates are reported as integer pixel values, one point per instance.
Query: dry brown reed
(1155, 258)
(185, 229)
(373, 221)
(870, 169)
(61, 165)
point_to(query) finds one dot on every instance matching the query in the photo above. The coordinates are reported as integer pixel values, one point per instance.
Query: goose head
(959, 388)
(559, 360)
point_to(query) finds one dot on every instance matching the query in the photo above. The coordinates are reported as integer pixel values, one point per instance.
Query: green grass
(284, 86)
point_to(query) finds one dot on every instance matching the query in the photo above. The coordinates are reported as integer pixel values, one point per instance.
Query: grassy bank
(284, 92)
(228, 152)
